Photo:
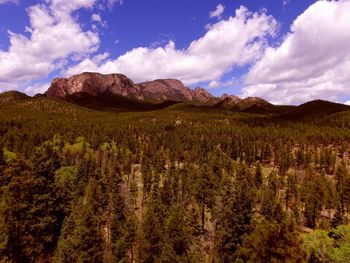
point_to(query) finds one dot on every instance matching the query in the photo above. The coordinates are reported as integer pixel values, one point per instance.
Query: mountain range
(118, 92)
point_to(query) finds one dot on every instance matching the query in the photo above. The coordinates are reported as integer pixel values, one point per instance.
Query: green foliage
(182, 184)
(329, 247)
(274, 240)
(177, 236)
(318, 245)
(235, 215)
(341, 253)
(8, 155)
(28, 212)
(82, 235)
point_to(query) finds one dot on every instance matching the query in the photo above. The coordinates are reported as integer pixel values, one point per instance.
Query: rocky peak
(165, 89)
(93, 84)
(157, 91)
(255, 100)
(230, 98)
(202, 95)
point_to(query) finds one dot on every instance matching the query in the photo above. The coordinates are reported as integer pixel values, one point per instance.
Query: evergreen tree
(177, 235)
(3, 179)
(123, 226)
(274, 240)
(2, 157)
(82, 234)
(270, 196)
(153, 228)
(29, 214)
(234, 220)
(258, 179)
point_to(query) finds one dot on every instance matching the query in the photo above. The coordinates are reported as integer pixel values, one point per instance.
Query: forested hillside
(179, 184)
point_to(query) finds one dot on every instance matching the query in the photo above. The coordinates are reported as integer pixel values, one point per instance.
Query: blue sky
(274, 49)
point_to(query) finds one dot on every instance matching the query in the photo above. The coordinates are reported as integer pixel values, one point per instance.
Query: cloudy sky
(286, 51)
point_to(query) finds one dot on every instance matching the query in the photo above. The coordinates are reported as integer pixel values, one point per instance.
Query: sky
(285, 51)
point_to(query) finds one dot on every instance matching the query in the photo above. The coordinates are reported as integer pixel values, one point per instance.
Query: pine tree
(314, 196)
(258, 179)
(3, 180)
(29, 213)
(153, 228)
(82, 237)
(177, 235)
(123, 226)
(2, 157)
(274, 240)
(234, 219)
(270, 196)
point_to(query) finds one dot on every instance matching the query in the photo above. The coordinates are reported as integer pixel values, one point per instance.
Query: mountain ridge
(117, 91)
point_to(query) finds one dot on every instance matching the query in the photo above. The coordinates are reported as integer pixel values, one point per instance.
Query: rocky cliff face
(94, 84)
(202, 96)
(165, 89)
(228, 102)
(157, 91)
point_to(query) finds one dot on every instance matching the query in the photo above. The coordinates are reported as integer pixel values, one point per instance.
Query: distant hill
(114, 102)
(227, 102)
(12, 96)
(314, 108)
(116, 92)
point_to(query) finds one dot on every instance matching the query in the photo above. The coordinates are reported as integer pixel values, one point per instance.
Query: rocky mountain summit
(94, 84)
(100, 91)
(157, 91)
(165, 89)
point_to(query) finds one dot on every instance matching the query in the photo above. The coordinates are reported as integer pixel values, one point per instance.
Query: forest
(179, 184)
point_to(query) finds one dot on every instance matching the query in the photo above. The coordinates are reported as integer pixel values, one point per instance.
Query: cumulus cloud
(217, 13)
(55, 35)
(98, 19)
(37, 88)
(222, 84)
(236, 41)
(312, 62)
(9, 1)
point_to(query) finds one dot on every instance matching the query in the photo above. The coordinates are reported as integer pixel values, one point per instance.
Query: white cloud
(217, 13)
(55, 35)
(9, 1)
(37, 88)
(215, 84)
(97, 18)
(347, 102)
(238, 40)
(312, 62)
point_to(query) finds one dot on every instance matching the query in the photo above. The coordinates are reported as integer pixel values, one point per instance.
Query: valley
(106, 178)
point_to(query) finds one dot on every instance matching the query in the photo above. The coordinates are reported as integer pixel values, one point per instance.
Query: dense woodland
(181, 184)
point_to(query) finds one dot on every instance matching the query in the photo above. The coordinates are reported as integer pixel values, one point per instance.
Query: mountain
(202, 96)
(165, 89)
(118, 85)
(257, 105)
(314, 108)
(12, 96)
(117, 91)
(227, 102)
(252, 105)
(114, 102)
(95, 84)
